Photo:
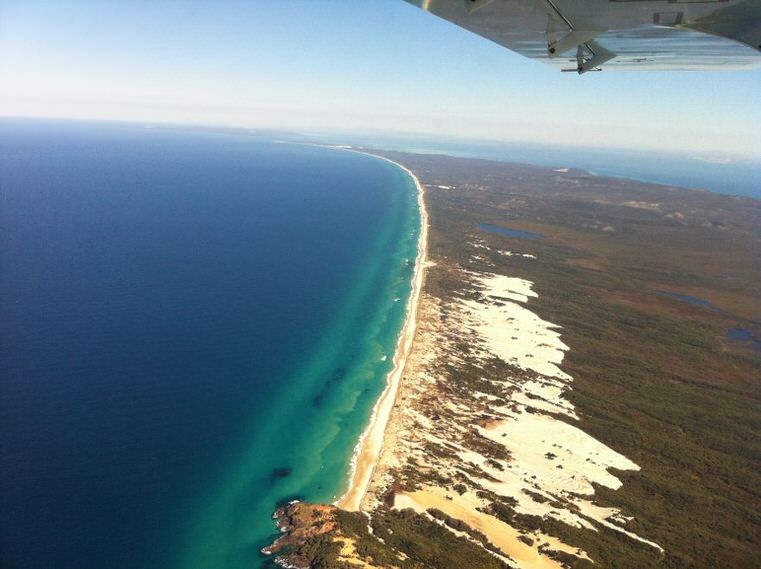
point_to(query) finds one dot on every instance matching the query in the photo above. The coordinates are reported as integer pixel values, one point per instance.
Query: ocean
(194, 327)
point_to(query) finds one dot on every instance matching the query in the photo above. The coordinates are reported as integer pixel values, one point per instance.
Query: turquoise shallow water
(314, 427)
(194, 328)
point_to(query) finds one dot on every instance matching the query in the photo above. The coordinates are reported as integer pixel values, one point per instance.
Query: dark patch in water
(281, 472)
(691, 299)
(335, 377)
(510, 232)
(743, 335)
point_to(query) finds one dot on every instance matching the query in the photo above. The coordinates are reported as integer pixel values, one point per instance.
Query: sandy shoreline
(370, 444)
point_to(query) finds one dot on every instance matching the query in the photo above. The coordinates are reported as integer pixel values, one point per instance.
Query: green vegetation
(654, 378)
(428, 544)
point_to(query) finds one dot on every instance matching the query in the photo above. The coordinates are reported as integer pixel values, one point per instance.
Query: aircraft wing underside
(623, 35)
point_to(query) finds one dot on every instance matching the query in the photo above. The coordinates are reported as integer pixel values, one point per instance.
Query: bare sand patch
(465, 507)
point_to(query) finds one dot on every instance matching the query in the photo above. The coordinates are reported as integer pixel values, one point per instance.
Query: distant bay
(194, 327)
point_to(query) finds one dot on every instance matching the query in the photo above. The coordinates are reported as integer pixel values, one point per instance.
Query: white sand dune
(553, 466)
(550, 457)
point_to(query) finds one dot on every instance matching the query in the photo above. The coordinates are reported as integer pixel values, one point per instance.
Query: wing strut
(590, 56)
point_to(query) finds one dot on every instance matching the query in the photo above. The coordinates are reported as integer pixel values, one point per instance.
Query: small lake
(745, 336)
(691, 299)
(510, 232)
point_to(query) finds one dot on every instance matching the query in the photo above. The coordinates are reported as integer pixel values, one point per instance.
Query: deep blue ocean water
(193, 327)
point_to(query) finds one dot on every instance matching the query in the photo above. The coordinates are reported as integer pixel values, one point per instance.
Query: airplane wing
(621, 35)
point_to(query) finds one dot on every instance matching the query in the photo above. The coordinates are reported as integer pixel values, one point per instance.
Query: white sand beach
(370, 445)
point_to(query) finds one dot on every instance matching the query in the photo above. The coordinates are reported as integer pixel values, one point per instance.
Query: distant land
(722, 173)
(588, 396)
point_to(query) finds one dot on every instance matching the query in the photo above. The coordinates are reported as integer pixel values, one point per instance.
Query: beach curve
(370, 444)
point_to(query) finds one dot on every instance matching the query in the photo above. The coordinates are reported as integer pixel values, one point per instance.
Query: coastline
(502, 451)
(512, 434)
(370, 444)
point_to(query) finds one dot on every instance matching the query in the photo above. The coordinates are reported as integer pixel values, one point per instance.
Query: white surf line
(370, 444)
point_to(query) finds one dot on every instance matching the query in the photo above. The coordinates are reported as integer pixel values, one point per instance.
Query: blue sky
(343, 64)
